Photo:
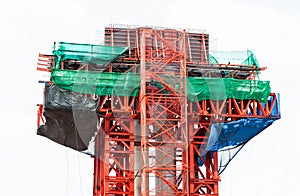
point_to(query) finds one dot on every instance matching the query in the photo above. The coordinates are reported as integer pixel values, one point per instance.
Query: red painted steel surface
(149, 145)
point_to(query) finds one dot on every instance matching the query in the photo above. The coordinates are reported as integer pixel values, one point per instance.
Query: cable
(79, 168)
(68, 175)
(78, 161)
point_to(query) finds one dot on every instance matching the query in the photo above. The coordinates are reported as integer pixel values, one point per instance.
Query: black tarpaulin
(71, 118)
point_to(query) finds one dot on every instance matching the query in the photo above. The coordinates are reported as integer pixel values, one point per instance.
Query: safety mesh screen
(127, 84)
(233, 57)
(88, 53)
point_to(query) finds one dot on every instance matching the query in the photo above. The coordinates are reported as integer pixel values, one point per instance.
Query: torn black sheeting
(71, 118)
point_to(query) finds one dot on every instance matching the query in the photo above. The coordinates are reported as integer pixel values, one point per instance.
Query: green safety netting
(233, 57)
(199, 88)
(127, 84)
(101, 83)
(89, 53)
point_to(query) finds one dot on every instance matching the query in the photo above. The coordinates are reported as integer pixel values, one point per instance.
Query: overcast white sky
(269, 165)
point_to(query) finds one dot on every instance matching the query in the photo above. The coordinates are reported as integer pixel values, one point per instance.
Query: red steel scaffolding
(151, 144)
(159, 133)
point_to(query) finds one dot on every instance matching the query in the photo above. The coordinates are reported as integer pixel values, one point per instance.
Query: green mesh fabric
(101, 83)
(88, 53)
(233, 57)
(222, 88)
(127, 84)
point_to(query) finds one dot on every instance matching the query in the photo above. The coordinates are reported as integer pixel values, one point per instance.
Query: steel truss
(151, 144)
(172, 130)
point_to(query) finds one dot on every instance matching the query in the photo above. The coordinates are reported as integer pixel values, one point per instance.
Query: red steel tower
(164, 135)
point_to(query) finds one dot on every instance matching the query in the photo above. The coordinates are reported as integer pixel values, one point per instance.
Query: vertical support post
(137, 160)
(192, 158)
(183, 113)
(99, 164)
(143, 112)
(97, 186)
(105, 156)
(215, 172)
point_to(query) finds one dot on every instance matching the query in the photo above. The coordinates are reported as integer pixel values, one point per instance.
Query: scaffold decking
(158, 111)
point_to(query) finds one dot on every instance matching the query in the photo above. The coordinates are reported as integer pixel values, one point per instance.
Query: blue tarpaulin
(236, 132)
(229, 138)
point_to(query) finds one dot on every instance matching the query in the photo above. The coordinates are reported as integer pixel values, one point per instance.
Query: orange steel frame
(114, 172)
(171, 129)
(149, 145)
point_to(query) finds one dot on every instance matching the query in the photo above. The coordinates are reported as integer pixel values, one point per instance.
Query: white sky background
(33, 165)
